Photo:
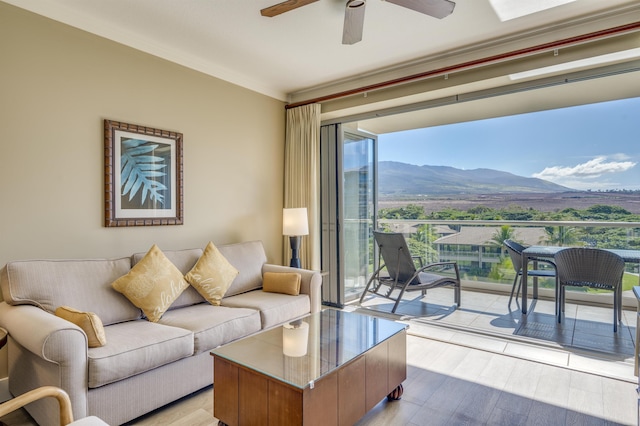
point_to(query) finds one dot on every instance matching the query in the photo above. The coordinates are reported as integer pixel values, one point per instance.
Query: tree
(560, 235)
(410, 211)
(506, 232)
(420, 244)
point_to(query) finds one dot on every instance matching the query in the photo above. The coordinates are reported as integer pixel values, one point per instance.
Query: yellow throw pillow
(89, 322)
(212, 275)
(281, 282)
(153, 284)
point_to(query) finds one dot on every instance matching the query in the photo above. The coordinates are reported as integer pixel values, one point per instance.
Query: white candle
(294, 339)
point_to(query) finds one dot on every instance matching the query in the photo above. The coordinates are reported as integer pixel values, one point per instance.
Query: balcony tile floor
(584, 341)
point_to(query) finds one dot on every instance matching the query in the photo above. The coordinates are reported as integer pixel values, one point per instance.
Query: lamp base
(294, 242)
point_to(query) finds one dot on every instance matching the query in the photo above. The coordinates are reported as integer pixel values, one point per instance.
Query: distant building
(475, 243)
(409, 228)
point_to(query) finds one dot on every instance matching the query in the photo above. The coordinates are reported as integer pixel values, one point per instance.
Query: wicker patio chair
(594, 268)
(399, 272)
(515, 252)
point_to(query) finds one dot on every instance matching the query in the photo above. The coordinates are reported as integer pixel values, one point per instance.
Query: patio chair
(399, 272)
(515, 252)
(593, 268)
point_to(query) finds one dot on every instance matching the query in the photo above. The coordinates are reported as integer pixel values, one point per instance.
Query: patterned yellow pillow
(89, 322)
(212, 275)
(153, 284)
(281, 282)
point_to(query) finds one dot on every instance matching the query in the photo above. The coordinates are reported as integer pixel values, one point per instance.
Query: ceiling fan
(354, 13)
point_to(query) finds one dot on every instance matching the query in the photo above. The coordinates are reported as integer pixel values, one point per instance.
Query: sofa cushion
(83, 284)
(281, 282)
(275, 308)
(153, 284)
(213, 325)
(135, 347)
(212, 275)
(184, 261)
(89, 322)
(248, 259)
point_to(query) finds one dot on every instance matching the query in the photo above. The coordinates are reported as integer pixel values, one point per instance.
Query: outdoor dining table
(533, 252)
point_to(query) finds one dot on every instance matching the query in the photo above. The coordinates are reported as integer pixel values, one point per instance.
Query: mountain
(403, 179)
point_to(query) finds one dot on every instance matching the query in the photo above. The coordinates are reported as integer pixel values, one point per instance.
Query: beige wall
(57, 84)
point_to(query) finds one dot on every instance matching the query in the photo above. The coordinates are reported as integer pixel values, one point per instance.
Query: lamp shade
(294, 221)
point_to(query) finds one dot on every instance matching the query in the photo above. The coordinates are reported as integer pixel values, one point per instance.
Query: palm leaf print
(138, 169)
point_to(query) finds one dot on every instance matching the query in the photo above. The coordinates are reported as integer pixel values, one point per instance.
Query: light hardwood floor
(458, 377)
(449, 384)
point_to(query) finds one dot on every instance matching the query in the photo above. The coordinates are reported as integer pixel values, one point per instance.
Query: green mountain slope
(407, 179)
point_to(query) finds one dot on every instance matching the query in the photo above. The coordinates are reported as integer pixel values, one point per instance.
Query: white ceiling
(301, 49)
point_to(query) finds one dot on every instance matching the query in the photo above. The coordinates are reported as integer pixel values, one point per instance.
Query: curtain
(302, 177)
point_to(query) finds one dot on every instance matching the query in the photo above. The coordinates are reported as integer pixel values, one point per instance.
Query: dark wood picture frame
(142, 175)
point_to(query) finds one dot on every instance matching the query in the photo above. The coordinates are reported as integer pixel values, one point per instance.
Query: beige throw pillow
(89, 322)
(212, 275)
(281, 282)
(153, 284)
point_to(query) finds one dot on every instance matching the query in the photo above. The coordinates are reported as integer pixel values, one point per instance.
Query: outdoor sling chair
(398, 273)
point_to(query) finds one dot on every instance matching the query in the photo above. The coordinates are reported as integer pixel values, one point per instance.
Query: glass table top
(303, 351)
(631, 256)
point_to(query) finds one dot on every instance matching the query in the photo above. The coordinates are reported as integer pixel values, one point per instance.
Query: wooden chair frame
(66, 414)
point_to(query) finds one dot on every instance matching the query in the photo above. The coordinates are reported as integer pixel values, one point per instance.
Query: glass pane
(358, 211)
(559, 177)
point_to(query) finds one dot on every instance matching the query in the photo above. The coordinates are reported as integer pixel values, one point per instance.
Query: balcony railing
(475, 245)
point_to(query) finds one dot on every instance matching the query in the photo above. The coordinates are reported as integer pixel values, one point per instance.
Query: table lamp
(295, 224)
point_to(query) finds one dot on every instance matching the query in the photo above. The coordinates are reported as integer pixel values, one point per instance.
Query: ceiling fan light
(352, 4)
(353, 21)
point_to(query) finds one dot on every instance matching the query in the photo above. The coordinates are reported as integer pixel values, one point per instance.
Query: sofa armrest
(310, 283)
(60, 344)
(44, 334)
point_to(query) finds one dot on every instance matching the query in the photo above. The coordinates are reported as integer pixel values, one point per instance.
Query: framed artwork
(142, 175)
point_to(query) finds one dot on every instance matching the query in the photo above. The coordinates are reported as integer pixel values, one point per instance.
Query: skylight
(511, 9)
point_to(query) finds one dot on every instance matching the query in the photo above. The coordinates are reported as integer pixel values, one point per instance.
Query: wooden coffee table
(352, 361)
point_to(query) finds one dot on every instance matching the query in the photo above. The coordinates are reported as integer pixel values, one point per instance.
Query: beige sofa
(144, 365)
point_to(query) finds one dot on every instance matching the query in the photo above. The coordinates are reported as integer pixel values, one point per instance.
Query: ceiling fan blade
(436, 8)
(353, 22)
(285, 6)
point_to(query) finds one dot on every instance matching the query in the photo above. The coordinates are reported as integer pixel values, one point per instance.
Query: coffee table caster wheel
(396, 394)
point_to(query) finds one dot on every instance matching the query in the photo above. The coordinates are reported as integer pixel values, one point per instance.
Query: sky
(590, 147)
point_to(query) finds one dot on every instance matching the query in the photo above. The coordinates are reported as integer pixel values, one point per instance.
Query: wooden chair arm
(66, 414)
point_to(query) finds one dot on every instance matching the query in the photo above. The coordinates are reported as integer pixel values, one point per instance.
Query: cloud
(591, 169)
(619, 157)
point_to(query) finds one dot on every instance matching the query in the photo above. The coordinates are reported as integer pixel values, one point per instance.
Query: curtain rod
(476, 63)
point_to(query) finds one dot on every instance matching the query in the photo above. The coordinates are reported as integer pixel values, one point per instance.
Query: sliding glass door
(348, 212)
(358, 199)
